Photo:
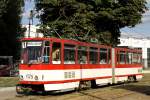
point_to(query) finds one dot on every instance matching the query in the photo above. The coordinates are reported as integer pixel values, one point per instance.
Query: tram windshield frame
(31, 52)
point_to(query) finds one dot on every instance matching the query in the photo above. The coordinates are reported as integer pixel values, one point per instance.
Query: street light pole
(29, 28)
(30, 18)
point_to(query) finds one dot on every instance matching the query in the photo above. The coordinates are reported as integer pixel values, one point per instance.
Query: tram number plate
(70, 74)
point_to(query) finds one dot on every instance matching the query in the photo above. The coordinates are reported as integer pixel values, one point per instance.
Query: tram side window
(82, 55)
(46, 55)
(56, 53)
(122, 57)
(93, 55)
(136, 59)
(103, 56)
(128, 58)
(69, 54)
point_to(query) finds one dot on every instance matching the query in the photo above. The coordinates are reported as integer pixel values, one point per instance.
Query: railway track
(118, 86)
(99, 93)
(109, 92)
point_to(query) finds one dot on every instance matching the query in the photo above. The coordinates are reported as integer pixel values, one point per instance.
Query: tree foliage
(86, 19)
(10, 17)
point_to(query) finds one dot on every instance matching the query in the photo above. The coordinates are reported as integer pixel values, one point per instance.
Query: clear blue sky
(140, 29)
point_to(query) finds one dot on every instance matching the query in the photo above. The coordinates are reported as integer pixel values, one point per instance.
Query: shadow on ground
(144, 89)
(53, 93)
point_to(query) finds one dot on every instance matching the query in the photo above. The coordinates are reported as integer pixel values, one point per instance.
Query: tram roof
(66, 41)
(75, 42)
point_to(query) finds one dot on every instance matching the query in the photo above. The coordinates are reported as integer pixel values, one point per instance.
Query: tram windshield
(31, 52)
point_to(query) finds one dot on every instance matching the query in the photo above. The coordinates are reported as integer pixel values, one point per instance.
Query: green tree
(10, 18)
(86, 19)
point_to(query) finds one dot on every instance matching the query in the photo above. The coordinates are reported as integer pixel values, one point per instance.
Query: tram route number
(70, 74)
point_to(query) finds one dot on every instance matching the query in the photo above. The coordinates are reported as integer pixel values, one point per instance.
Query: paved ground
(129, 91)
(7, 93)
(146, 71)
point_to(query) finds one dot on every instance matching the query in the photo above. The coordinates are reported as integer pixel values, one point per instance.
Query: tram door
(82, 59)
(56, 53)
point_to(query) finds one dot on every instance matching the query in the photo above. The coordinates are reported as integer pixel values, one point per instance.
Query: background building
(32, 31)
(138, 41)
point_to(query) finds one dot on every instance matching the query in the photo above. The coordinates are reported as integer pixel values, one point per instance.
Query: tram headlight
(36, 77)
(29, 76)
(21, 77)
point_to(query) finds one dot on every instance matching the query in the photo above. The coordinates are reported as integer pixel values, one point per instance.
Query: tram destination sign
(31, 43)
(37, 43)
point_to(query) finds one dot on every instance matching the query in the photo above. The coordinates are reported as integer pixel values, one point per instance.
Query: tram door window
(56, 53)
(69, 54)
(46, 54)
(82, 55)
(139, 58)
(103, 56)
(93, 55)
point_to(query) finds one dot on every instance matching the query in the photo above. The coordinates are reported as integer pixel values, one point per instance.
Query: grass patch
(8, 81)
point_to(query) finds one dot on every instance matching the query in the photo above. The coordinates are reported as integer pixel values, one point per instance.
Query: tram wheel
(85, 85)
(93, 84)
(132, 79)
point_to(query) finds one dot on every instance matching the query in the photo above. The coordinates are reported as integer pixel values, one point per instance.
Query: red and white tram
(51, 64)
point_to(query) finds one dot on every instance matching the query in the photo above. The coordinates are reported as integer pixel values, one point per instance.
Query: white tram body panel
(56, 79)
(122, 74)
